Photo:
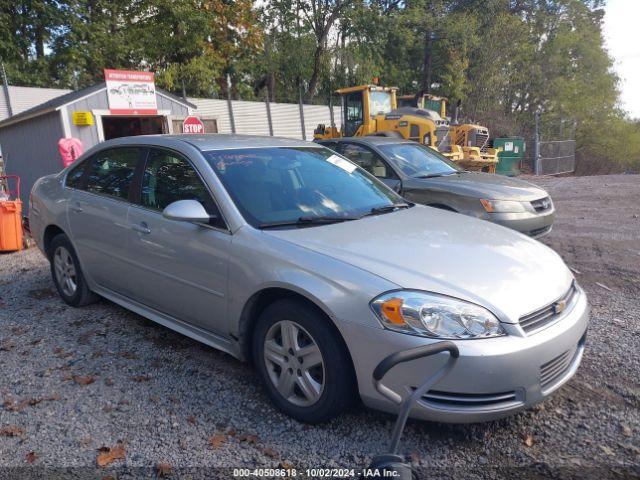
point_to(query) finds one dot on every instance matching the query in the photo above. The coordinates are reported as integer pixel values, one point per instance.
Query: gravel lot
(75, 380)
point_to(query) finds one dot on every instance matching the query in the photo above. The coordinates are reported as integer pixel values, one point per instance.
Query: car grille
(553, 371)
(542, 204)
(471, 401)
(482, 140)
(540, 231)
(549, 314)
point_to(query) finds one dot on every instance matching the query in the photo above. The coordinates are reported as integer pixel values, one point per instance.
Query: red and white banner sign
(130, 92)
(192, 125)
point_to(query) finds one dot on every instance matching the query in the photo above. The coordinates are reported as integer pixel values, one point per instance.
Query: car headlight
(431, 315)
(503, 206)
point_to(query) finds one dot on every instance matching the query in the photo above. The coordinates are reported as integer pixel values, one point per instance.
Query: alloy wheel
(65, 270)
(294, 363)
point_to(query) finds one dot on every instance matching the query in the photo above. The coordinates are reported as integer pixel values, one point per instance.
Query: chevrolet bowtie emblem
(559, 307)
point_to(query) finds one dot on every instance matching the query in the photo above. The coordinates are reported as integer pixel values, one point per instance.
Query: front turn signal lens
(392, 310)
(487, 205)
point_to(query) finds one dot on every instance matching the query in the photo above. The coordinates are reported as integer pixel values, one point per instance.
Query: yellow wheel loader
(469, 138)
(373, 110)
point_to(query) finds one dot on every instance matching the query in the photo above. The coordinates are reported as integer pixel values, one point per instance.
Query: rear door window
(75, 176)
(111, 172)
(367, 159)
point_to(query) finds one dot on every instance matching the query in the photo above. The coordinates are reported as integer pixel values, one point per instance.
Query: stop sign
(192, 125)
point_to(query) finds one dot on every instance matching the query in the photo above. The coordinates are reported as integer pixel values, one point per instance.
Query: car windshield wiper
(434, 175)
(304, 221)
(387, 208)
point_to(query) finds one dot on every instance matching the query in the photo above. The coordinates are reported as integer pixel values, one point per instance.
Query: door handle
(141, 228)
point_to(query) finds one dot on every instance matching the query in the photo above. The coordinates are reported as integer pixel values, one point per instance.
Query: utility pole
(5, 88)
(268, 105)
(301, 107)
(427, 61)
(230, 105)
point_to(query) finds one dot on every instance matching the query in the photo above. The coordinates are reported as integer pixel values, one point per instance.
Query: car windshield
(283, 185)
(418, 161)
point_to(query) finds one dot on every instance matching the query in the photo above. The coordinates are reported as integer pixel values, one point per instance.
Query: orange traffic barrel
(10, 215)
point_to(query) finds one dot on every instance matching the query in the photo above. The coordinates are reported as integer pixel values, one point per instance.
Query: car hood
(434, 250)
(481, 185)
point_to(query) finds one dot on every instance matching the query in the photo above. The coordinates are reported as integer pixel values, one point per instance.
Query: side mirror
(186, 211)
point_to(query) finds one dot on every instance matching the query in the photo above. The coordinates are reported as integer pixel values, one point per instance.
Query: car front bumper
(492, 378)
(529, 223)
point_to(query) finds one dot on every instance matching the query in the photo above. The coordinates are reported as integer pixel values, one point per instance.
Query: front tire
(67, 274)
(302, 362)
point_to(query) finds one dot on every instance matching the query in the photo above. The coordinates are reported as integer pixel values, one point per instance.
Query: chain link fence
(556, 157)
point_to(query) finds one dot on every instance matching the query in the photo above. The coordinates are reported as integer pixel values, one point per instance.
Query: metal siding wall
(214, 108)
(177, 109)
(31, 150)
(251, 117)
(24, 98)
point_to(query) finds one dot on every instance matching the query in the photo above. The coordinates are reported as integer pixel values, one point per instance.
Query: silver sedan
(287, 255)
(422, 175)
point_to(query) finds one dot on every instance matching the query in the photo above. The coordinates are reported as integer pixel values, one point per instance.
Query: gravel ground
(76, 380)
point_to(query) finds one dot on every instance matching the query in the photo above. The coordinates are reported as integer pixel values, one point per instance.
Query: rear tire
(302, 362)
(67, 274)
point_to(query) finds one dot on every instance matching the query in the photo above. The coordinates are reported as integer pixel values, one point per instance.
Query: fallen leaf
(11, 431)
(270, 452)
(231, 432)
(84, 379)
(607, 450)
(163, 468)
(528, 440)
(217, 440)
(286, 465)
(191, 419)
(84, 338)
(626, 431)
(41, 293)
(108, 382)
(7, 345)
(31, 457)
(140, 378)
(248, 438)
(109, 455)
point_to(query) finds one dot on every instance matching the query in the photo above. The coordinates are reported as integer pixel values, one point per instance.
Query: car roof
(212, 141)
(369, 140)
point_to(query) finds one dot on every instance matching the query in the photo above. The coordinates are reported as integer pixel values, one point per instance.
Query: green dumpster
(510, 156)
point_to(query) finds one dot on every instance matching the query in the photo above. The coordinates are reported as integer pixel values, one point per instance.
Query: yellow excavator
(373, 110)
(471, 138)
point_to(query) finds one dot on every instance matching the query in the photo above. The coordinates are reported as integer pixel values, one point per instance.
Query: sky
(620, 33)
